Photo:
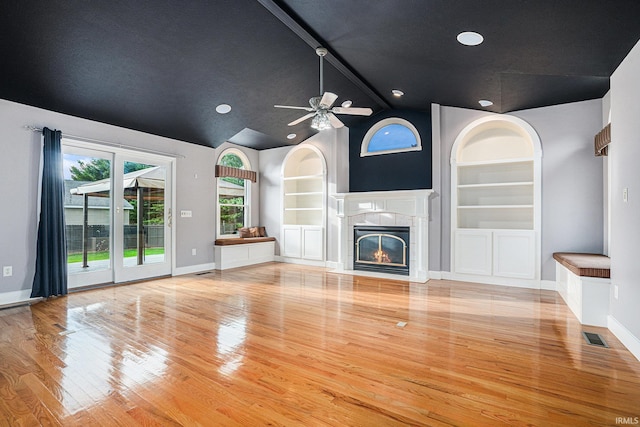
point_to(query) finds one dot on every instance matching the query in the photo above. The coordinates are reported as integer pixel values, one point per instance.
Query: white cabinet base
(499, 253)
(587, 297)
(473, 252)
(233, 256)
(303, 241)
(514, 254)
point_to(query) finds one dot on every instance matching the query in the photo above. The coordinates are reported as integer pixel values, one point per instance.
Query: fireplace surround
(404, 208)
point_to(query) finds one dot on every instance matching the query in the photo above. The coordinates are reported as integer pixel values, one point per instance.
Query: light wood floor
(280, 344)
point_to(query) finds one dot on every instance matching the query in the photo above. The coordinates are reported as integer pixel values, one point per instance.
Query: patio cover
(143, 178)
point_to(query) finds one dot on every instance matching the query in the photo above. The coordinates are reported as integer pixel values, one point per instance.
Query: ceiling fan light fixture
(291, 136)
(470, 38)
(223, 108)
(485, 103)
(346, 104)
(321, 121)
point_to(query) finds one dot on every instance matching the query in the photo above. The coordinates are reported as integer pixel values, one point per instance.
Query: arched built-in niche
(496, 199)
(304, 203)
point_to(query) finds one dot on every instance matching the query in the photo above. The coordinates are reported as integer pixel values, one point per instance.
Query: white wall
(572, 203)
(624, 157)
(19, 174)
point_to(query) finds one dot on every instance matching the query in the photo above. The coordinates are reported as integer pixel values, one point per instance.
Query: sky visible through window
(392, 137)
(72, 160)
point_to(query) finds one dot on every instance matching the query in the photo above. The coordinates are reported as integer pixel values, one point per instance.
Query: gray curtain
(51, 253)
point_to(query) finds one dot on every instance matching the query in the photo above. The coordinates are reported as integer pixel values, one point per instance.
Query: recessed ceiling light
(291, 136)
(397, 92)
(223, 108)
(485, 102)
(346, 104)
(470, 38)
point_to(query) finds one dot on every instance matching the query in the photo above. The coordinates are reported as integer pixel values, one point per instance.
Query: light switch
(185, 214)
(625, 194)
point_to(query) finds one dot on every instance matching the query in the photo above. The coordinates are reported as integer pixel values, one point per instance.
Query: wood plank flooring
(280, 344)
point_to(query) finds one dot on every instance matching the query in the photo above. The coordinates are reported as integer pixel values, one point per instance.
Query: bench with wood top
(583, 281)
(241, 251)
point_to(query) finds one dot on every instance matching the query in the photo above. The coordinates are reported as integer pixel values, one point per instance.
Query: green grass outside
(97, 256)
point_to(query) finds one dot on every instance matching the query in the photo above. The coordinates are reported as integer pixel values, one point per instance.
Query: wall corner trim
(179, 271)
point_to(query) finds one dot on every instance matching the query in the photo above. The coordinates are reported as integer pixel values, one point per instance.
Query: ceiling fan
(324, 115)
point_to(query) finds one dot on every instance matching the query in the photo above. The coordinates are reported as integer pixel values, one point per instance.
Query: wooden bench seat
(583, 281)
(243, 251)
(243, 240)
(585, 265)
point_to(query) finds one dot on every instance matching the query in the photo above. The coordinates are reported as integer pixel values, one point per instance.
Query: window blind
(602, 141)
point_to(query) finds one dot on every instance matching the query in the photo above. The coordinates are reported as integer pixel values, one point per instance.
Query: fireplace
(398, 208)
(383, 249)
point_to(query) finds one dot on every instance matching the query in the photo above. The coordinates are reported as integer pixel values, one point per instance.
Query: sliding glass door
(118, 215)
(143, 218)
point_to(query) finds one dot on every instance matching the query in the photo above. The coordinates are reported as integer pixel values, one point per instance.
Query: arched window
(233, 193)
(392, 135)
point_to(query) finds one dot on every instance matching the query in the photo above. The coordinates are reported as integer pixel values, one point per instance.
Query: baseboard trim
(331, 264)
(548, 285)
(300, 261)
(13, 298)
(436, 275)
(625, 336)
(492, 280)
(179, 271)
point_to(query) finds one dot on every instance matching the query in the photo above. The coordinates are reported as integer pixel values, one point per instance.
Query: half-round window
(392, 135)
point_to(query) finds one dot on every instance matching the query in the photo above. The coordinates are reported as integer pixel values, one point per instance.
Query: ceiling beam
(314, 42)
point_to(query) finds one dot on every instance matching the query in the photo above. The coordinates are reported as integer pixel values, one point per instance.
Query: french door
(118, 214)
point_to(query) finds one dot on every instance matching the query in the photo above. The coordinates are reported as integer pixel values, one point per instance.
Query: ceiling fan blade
(294, 108)
(354, 111)
(328, 99)
(301, 119)
(335, 122)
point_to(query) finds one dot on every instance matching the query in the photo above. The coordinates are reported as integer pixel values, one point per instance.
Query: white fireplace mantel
(404, 207)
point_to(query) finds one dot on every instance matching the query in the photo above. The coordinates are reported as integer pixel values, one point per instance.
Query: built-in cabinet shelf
(303, 204)
(495, 194)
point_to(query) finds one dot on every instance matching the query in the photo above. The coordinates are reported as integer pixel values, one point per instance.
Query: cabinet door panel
(514, 254)
(312, 243)
(291, 242)
(473, 252)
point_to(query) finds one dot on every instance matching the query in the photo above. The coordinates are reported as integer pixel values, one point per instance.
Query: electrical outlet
(193, 251)
(7, 271)
(615, 291)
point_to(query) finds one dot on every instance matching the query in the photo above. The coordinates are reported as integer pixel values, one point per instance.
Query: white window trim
(247, 192)
(364, 148)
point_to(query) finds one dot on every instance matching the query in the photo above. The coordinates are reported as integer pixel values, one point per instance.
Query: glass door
(117, 214)
(88, 217)
(142, 218)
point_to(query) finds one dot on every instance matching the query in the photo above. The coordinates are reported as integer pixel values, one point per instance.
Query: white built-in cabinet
(495, 193)
(304, 204)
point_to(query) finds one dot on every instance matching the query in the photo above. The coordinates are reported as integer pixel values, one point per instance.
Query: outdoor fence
(99, 237)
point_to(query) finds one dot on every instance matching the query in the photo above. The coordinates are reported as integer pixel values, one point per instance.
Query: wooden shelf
(498, 184)
(495, 162)
(291, 178)
(309, 193)
(496, 207)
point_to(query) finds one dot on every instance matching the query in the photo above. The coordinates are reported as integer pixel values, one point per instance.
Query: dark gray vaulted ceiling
(163, 66)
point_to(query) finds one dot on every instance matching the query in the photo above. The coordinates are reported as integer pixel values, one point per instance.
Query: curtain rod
(111, 144)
